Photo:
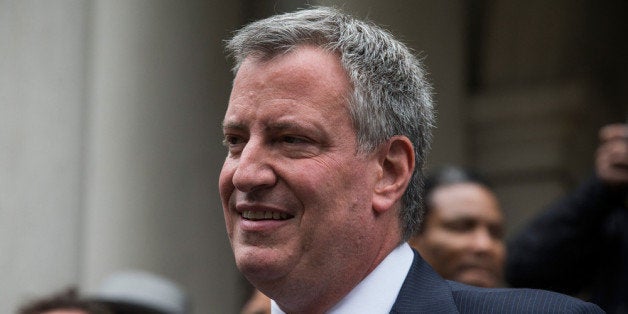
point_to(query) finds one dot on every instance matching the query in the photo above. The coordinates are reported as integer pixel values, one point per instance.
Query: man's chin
(259, 263)
(478, 278)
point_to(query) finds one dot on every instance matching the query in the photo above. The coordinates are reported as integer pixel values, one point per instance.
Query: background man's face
(462, 236)
(296, 197)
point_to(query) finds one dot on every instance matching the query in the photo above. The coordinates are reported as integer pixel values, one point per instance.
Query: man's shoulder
(470, 299)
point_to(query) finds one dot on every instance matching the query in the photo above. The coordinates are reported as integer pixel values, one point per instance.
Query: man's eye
(497, 232)
(231, 140)
(460, 226)
(292, 140)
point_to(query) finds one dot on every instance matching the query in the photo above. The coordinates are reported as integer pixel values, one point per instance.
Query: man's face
(296, 197)
(462, 237)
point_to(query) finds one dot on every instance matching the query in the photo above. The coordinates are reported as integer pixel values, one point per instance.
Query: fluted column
(158, 90)
(42, 106)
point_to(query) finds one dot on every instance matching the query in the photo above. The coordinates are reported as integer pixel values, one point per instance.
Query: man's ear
(396, 157)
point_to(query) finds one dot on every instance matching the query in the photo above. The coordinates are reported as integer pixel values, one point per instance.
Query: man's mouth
(264, 215)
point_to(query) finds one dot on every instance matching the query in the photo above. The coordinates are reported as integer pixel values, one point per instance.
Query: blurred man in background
(462, 236)
(579, 245)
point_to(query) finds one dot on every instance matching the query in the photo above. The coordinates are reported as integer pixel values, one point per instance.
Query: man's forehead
(308, 81)
(305, 63)
(485, 214)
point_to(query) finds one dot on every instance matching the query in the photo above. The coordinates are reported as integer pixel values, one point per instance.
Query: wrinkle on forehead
(296, 78)
(304, 72)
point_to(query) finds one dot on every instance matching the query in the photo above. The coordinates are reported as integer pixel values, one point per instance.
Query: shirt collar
(378, 291)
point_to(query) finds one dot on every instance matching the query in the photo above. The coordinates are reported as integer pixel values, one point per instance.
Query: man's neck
(388, 274)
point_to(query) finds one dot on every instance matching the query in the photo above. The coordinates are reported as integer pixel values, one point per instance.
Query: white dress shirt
(378, 291)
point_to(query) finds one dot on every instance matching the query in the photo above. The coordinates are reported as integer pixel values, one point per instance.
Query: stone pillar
(42, 105)
(159, 86)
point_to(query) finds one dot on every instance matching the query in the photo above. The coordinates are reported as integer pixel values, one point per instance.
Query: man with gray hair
(327, 129)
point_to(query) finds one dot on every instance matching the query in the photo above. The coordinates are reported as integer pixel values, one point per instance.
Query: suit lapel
(424, 291)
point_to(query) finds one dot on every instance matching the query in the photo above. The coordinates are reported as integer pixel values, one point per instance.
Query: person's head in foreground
(327, 129)
(141, 292)
(65, 302)
(462, 235)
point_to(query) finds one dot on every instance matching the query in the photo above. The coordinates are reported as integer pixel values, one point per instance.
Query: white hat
(142, 290)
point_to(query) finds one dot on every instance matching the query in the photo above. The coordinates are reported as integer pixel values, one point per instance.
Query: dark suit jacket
(424, 291)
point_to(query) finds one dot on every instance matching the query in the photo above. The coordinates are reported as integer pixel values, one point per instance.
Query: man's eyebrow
(280, 126)
(272, 127)
(232, 125)
(312, 129)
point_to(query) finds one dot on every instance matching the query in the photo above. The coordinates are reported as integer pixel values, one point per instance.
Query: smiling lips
(264, 215)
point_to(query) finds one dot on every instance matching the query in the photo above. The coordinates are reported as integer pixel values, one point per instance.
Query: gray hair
(390, 93)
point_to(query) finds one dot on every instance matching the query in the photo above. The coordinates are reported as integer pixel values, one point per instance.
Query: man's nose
(254, 170)
(483, 241)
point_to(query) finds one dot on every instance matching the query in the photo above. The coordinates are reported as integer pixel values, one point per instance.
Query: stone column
(42, 106)
(159, 86)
